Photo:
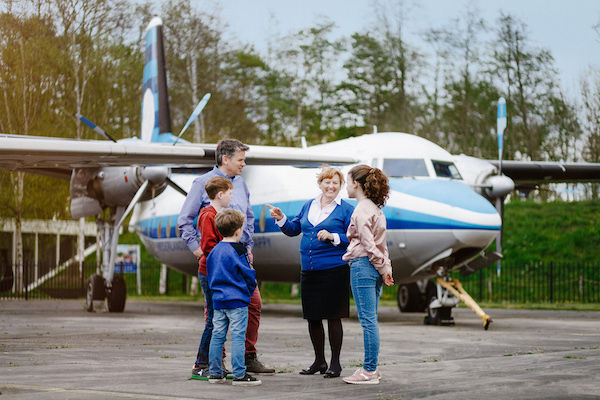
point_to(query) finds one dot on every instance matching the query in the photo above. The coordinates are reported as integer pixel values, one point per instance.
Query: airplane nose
(474, 238)
(448, 205)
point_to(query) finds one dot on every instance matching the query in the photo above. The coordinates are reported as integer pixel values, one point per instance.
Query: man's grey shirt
(197, 199)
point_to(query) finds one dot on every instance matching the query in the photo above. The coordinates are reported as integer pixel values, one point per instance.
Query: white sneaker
(363, 377)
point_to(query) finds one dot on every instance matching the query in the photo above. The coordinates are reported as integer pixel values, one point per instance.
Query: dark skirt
(326, 293)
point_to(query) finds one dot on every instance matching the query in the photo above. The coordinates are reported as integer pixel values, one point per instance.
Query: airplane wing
(531, 172)
(57, 157)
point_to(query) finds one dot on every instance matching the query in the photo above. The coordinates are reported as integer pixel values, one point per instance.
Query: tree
(468, 113)
(308, 58)
(590, 95)
(526, 76)
(87, 31)
(27, 42)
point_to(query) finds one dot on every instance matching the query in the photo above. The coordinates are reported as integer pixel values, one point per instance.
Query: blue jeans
(237, 320)
(202, 357)
(366, 289)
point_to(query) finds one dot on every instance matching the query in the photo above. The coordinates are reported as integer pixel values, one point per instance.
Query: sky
(565, 27)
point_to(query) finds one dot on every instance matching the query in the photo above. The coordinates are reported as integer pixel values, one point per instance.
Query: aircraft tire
(95, 291)
(409, 298)
(116, 295)
(438, 316)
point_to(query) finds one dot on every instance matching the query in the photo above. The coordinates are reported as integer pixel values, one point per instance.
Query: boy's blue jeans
(237, 320)
(202, 357)
(366, 288)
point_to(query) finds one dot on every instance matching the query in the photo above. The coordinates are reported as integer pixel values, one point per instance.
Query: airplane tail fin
(156, 115)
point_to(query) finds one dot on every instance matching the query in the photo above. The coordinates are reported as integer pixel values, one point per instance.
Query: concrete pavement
(52, 349)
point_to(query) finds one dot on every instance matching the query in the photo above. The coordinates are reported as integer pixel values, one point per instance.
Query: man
(230, 156)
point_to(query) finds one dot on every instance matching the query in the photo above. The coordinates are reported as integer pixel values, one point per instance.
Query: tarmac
(53, 349)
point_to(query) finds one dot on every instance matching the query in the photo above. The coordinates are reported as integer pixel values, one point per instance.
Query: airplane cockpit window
(446, 169)
(403, 167)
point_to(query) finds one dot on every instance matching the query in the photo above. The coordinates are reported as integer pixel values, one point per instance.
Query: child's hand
(388, 280)
(275, 212)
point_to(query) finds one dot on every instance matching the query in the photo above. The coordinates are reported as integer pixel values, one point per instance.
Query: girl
(370, 266)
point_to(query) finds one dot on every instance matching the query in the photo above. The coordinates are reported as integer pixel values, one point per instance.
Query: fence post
(551, 282)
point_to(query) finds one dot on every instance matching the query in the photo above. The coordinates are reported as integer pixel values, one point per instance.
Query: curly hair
(373, 182)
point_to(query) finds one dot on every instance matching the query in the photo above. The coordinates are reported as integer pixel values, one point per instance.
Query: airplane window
(446, 169)
(395, 167)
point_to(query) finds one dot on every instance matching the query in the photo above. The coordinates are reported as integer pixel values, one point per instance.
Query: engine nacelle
(93, 189)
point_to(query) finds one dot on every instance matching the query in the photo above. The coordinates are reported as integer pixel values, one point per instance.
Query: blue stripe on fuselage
(453, 193)
(397, 218)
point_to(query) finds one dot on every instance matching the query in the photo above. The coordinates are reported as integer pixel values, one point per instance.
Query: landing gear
(116, 294)
(439, 306)
(95, 291)
(412, 297)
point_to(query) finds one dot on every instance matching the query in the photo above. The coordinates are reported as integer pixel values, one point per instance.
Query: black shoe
(332, 374)
(216, 379)
(227, 372)
(246, 380)
(202, 374)
(314, 369)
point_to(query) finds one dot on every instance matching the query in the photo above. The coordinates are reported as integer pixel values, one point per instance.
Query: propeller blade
(95, 127)
(194, 115)
(115, 237)
(176, 186)
(500, 209)
(500, 126)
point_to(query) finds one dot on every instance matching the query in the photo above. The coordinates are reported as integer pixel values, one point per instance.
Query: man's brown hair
(228, 221)
(217, 184)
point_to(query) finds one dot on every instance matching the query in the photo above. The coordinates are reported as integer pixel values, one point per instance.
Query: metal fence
(69, 281)
(536, 283)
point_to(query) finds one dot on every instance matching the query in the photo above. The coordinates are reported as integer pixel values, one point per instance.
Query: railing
(68, 281)
(537, 283)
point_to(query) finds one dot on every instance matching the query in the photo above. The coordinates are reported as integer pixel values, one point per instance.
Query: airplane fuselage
(431, 220)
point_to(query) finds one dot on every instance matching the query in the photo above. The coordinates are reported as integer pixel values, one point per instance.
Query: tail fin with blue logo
(156, 115)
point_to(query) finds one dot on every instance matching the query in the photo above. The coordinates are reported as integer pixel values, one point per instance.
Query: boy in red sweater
(219, 191)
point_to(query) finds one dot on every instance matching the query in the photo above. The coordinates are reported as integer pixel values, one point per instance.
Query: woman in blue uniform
(325, 277)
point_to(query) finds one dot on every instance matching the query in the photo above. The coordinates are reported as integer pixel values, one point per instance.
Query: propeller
(194, 115)
(503, 184)
(95, 127)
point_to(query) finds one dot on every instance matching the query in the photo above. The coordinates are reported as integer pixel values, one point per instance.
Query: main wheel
(409, 298)
(116, 294)
(95, 291)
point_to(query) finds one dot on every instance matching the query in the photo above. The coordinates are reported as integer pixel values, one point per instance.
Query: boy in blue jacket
(232, 282)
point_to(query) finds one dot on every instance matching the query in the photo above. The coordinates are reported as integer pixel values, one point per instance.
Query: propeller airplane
(440, 214)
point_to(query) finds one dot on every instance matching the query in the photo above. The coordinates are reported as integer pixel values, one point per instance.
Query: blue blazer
(316, 254)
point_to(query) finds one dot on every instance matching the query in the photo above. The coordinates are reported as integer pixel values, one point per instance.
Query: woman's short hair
(228, 221)
(228, 147)
(328, 172)
(373, 182)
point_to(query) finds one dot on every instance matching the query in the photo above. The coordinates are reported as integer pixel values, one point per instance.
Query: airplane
(440, 215)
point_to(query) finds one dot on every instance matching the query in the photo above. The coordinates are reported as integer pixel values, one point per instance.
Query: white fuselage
(430, 219)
